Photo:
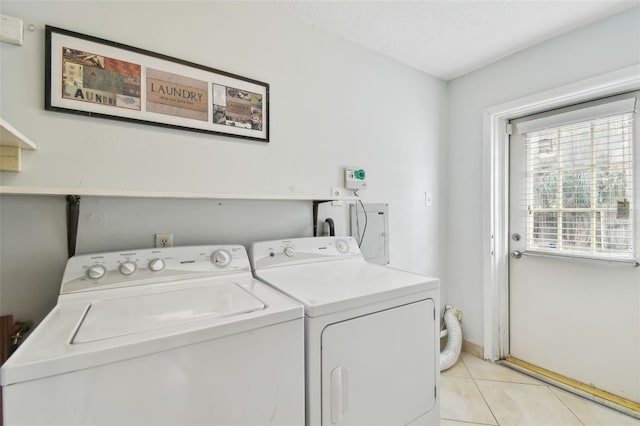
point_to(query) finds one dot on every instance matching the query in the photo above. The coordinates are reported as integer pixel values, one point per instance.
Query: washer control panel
(136, 267)
(302, 250)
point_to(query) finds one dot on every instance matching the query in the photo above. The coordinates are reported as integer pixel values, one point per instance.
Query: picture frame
(91, 76)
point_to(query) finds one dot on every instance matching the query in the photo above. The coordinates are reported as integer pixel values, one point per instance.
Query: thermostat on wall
(355, 178)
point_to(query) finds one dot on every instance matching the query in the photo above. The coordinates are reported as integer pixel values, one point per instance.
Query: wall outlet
(164, 240)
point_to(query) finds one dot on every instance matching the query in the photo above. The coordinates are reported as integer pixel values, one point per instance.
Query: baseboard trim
(468, 347)
(473, 349)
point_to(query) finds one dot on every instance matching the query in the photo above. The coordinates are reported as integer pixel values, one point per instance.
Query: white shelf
(26, 190)
(9, 136)
(12, 142)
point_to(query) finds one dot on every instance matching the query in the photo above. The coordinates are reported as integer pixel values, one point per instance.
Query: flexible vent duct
(451, 351)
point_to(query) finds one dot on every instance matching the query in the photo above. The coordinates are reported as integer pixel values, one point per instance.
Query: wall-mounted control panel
(267, 254)
(355, 178)
(147, 266)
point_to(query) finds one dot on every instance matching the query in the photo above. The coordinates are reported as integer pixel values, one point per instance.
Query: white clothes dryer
(371, 332)
(174, 336)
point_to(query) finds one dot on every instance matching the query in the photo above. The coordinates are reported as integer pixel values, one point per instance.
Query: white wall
(333, 104)
(33, 252)
(604, 46)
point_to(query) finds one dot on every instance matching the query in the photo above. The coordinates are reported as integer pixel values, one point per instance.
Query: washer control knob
(96, 272)
(156, 264)
(289, 251)
(342, 246)
(221, 258)
(127, 268)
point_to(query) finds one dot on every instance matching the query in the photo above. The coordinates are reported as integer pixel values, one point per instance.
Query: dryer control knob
(221, 258)
(156, 264)
(289, 251)
(96, 272)
(127, 268)
(342, 246)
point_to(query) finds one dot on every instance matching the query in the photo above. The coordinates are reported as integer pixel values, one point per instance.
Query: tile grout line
(545, 385)
(480, 391)
(550, 388)
(553, 378)
(466, 422)
(572, 390)
(563, 403)
(515, 383)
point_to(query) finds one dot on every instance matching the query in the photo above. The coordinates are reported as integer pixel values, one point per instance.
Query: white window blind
(606, 109)
(579, 196)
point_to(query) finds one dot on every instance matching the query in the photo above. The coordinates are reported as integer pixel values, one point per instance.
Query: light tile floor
(474, 391)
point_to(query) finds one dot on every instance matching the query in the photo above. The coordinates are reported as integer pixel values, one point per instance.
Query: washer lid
(142, 320)
(105, 319)
(329, 287)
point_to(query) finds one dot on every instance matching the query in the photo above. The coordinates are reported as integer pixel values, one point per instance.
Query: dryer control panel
(267, 254)
(145, 266)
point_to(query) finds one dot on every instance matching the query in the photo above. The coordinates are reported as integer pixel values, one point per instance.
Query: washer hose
(329, 229)
(451, 351)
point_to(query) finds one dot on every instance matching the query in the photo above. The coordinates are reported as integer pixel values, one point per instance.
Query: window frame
(556, 120)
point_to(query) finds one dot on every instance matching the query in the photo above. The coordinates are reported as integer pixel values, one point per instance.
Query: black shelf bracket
(73, 213)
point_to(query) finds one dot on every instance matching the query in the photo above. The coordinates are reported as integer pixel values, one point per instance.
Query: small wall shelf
(89, 192)
(12, 142)
(73, 196)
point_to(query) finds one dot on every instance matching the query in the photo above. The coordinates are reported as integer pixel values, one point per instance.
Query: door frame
(495, 182)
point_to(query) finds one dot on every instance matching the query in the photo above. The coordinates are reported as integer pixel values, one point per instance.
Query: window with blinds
(579, 182)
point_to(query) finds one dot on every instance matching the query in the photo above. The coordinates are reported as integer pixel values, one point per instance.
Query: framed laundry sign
(91, 76)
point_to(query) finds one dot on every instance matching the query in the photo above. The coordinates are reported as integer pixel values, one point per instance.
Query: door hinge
(435, 392)
(509, 129)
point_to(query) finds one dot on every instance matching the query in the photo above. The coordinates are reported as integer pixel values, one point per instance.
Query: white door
(380, 369)
(573, 288)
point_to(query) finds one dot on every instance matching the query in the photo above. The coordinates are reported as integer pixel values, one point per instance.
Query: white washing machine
(175, 336)
(371, 332)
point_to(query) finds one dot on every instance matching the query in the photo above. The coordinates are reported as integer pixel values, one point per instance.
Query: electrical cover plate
(11, 30)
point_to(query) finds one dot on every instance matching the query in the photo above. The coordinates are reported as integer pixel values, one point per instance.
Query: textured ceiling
(449, 38)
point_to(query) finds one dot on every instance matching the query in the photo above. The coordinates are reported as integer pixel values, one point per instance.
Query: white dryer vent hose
(451, 351)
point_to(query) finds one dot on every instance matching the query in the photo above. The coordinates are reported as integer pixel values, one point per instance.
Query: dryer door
(380, 369)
